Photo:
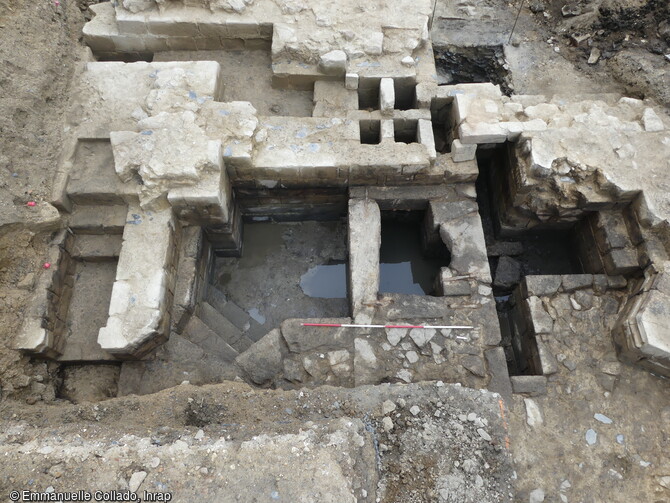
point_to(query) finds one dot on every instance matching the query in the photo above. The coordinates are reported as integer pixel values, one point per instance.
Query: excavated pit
(463, 65)
(282, 269)
(407, 265)
(514, 254)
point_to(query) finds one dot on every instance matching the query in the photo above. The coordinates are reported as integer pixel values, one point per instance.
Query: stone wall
(42, 333)
(537, 306)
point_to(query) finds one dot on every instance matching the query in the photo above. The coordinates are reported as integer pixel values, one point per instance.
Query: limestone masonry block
(138, 308)
(464, 238)
(386, 96)
(331, 99)
(387, 130)
(531, 385)
(364, 238)
(351, 81)
(482, 132)
(165, 156)
(333, 63)
(426, 138)
(461, 152)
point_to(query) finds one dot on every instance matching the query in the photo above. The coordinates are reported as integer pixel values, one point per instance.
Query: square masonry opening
(460, 65)
(287, 270)
(407, 264)
(440, 116)
(370, 131)
(368, 94)
(405, 93)
(406, 131)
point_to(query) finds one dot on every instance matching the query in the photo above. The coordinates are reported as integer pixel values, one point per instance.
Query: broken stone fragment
(421, 336)
(136, 480)
(388, 406)
(395, 335)
(474, 364)
(594, 56)
(508, 273)
(333, 63)
(533, 413)
(263, 360)
(351, 81)
(540, 320)
(571, 10)
(408, 61)
(651, 121)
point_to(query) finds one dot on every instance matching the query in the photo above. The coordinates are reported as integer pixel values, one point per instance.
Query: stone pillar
(364, 242)
(386, 96)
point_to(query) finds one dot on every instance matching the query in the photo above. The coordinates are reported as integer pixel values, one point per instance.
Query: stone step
(253, 330)
(98, 219)
(219, 324)
(197, 332)
(97, 247)
(215, 297)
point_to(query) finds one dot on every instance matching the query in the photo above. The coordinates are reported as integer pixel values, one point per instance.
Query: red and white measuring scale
(350, 325)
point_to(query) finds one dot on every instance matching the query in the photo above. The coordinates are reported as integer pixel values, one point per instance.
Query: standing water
(404, 267)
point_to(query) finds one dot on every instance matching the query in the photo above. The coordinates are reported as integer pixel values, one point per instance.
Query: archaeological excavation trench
(219, 195)
(294, 201)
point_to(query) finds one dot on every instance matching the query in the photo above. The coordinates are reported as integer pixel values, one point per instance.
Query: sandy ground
(602, 424)
(39, 48)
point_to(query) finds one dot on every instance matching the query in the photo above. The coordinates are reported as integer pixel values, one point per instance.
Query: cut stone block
(461, 152)
(333, 63)
(572, 282)
(386, 96)
(333, 100)
(548, 361)
(500, 381)
(541, 286)
(621, 261)
(426, 138)
(531, 385)
(302, 339)
(464, 238)
(138, 312)
(653, 322)
(481, 133)
(364, 240)
(351, 81)
(97, 247)
(98, 219)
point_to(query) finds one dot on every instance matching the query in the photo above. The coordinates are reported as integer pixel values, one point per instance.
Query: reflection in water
(403, 266)
(327, 281)
(398, 278)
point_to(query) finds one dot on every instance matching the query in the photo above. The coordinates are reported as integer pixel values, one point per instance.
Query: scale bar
(349, 325)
